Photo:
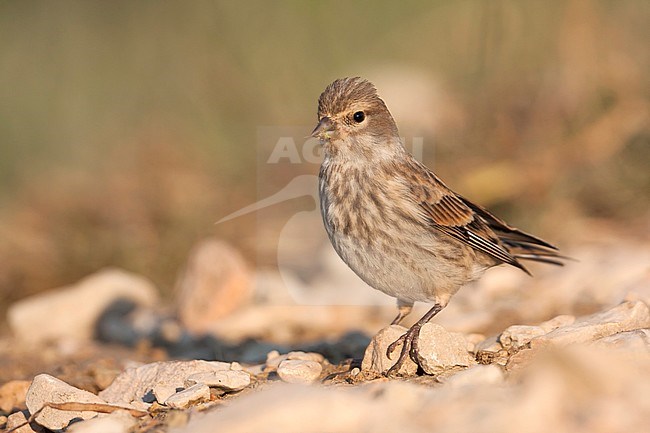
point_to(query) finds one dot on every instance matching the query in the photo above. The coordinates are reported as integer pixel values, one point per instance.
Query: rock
(477, 375)
(162, 391)
(12, 395)
(631, 341)
(116, 422)
(16, 419)
(77, 307)
(192, 395)
(375, 358)
(626, 316)
(215, 283)
(48, 389)
(440, 350)
(233, 380)
(299, 371)
(137, 383)
(557, 322)
(519, 335)
(274, 359)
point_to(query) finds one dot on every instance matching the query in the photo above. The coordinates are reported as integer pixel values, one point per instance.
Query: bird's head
(353, 118)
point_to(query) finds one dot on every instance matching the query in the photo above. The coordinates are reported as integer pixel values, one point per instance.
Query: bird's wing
(446, 212)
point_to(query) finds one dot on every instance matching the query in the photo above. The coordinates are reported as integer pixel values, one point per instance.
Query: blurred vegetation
(128, 128)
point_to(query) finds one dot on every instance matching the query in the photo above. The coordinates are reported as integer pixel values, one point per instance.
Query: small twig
(81, 407)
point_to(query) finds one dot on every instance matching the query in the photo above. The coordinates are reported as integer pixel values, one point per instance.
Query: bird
(396, 224)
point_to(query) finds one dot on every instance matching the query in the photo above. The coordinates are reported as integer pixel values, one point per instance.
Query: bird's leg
(410, 341)
(404, 309)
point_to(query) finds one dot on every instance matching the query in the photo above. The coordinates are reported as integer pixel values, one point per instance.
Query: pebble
(188, 397)
(375, 358)
(16, 419)
(299, 371)
(274, 359)
(232, 380)
(49, 389)
(519, 335)
(440, 350)
(162, 391)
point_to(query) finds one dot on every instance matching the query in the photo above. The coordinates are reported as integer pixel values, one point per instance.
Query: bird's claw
(409, 349)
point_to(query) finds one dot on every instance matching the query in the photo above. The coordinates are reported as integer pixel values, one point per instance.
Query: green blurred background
(128, 128)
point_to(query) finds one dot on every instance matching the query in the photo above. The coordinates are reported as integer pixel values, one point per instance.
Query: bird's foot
(409, 349)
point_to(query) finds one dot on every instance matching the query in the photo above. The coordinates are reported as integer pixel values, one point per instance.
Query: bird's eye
(359, 116)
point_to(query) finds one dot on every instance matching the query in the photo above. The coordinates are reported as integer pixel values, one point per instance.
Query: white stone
(136, 383)
(162, 391)
(48, 389)
(375, 358)
(626, 316)
(192, 395)
(273, 358)
(72, 311)
(232, 380)
(299, 371)
(439, 349)
(519, 335)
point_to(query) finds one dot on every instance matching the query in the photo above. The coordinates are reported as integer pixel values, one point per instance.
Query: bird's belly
(427, 268)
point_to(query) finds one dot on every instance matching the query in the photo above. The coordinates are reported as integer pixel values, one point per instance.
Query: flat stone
(139, 382)
(12, 395)
(232, 380)
(274, 359)
(190, 396)
(299, 371)
(162, 391)
(375, 358)
(519, 335)
(78, 307)
(216, 282)
(626, 316)
(48, 389)
(440, 349)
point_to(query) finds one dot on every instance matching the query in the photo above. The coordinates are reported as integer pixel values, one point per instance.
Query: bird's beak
(324, 130)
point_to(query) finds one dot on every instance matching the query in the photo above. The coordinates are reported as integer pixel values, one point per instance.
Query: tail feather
(522, 245)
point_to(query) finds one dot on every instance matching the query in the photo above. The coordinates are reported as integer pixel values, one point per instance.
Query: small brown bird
(394, 222)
